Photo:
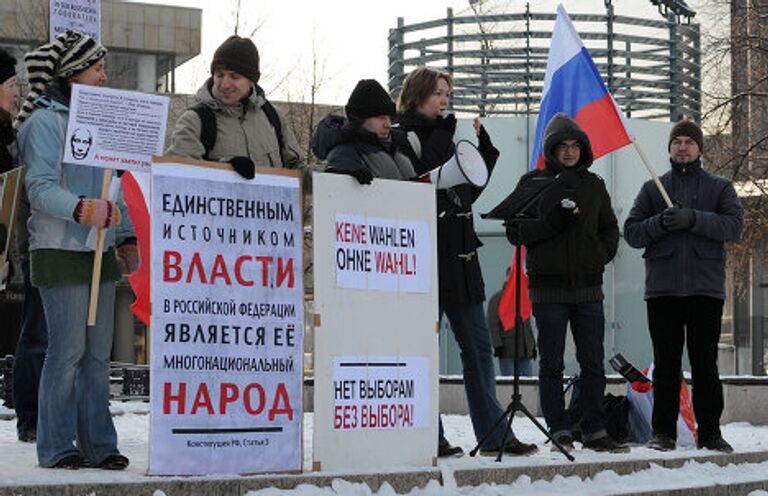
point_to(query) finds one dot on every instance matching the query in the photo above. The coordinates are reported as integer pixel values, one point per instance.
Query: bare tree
(735, 68)
(239, 28)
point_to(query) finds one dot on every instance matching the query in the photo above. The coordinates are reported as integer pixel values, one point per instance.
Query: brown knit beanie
(687, 128)
(239, 55)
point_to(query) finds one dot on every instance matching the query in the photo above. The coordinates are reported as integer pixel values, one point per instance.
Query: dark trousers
(674, 322)
(588, 327)
(30, 354)
(471, 332)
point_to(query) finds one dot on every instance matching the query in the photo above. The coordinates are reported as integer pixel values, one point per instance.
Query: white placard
(382, 254)
(375, 392)
(115, 129)
(78, 15)
(227, 322)
(391, 330)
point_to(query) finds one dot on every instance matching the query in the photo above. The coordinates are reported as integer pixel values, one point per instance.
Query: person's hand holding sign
(97, 213)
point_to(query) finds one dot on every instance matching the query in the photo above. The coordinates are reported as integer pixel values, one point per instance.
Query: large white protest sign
(115, 129)
(380, 392)
(78, 15)
(227, 322)
(376, 341)
(383, 254)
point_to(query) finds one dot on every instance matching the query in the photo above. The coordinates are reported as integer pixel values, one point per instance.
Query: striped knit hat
(69, 53)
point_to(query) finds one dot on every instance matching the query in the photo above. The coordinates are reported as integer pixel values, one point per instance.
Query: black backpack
(616, 410)
(209, 129)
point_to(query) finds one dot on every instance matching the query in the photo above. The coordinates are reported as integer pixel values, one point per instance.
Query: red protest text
(347, 232)
(245, 270)
(219, 399)
(395, 263)
(371, 416)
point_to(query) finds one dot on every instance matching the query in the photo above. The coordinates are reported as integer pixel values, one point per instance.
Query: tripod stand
(516, 404)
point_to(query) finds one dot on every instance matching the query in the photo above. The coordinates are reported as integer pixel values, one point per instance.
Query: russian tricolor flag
(573, 86)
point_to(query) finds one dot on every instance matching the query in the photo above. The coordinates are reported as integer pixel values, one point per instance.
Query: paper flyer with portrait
(115, 129)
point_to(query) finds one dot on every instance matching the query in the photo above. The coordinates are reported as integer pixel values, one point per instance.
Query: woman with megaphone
(422, 108)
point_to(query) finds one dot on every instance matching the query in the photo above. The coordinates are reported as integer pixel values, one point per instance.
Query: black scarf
(686, 167)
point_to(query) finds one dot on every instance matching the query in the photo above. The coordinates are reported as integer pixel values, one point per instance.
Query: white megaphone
(466, 166)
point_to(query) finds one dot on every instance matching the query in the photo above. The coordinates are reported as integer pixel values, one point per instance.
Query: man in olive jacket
(685, 282)
(246, 130)
(572, 236)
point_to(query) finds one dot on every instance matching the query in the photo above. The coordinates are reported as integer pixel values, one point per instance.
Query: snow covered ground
(18, 463)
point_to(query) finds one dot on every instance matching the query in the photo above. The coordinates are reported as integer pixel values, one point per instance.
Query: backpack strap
(274, 120)
(207, 127)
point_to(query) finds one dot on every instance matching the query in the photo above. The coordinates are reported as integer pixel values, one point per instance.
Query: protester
(74, 427)
(422, 103)
(504, 339)
(363, 145)
(30, 349)
(9, 94)
(232, 120)
(685, 282)
(568, 245)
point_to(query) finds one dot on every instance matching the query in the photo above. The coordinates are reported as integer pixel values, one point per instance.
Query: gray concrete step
(402, 481)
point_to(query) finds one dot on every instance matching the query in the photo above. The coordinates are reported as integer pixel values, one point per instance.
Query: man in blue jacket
(685, 282)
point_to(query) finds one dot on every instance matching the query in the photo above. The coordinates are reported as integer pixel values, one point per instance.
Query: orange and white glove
(97, 213)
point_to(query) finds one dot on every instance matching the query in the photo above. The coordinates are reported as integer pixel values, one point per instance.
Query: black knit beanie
(369, 99)
(687, 128)
(7, 66)
(239, 55)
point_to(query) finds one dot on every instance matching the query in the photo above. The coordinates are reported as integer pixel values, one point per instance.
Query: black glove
(678, 219)
(362, 174)
(513, 232)
(562, 214)
(448, 123)
(243, 166)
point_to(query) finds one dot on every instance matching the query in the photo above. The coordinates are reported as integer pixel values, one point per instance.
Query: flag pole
(653, 173)
(97, 255)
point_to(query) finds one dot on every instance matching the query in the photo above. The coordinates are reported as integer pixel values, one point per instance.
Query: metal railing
(652, 67)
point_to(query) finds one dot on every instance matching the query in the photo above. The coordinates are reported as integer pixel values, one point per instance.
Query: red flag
(136, 196)
(507, 302)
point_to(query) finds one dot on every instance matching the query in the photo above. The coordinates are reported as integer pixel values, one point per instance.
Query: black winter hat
(7, 66)
(239, 55)
(687, 128)
(369, 99)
